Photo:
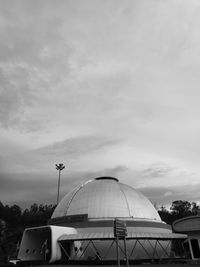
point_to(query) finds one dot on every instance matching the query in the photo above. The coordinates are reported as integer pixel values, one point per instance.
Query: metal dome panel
(106, 198)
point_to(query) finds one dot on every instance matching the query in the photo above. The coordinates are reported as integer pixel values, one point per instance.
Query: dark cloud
(166, 195)
(115, 171)
(77, 146)
(156, 170)
(26, 188)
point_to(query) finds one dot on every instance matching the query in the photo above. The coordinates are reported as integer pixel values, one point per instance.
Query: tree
(195, 208)
(165, 215)
(180, 208)
(16, 214)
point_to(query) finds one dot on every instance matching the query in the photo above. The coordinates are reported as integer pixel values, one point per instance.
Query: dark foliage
(13, 221)
(34, 216)
(165, 215)
(178, 210)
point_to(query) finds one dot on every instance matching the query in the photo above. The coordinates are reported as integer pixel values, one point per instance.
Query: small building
(102, 220)
(190, 226)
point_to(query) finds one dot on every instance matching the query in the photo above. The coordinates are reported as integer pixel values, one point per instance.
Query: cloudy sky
(107, 87)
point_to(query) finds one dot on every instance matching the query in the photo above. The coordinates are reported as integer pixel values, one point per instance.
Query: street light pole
(59, 167)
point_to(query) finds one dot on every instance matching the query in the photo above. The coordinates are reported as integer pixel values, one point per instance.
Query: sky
(109, 88)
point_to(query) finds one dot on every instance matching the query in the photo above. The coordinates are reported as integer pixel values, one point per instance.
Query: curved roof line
(79, 187)
(107, 178)
(105, 197)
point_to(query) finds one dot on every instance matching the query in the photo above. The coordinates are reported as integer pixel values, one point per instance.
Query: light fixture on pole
(59, 167)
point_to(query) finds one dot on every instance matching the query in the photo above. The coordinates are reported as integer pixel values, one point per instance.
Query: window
(195, 248)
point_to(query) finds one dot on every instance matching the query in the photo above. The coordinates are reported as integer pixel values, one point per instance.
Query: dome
(106, 198)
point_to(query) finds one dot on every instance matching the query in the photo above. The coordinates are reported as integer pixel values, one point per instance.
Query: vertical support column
(190, 246)
(58, 194)
(125, 248)
(117, 249)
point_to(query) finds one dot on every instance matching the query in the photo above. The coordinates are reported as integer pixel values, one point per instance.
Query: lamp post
(59, 167)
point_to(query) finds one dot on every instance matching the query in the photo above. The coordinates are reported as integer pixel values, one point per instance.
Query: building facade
(82, 227)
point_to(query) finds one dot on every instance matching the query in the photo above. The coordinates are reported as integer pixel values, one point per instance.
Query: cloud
(156, 170)
(78, 152)
(28, 188)
(101, 84)
(77, 146)
(168, 193)
(165, 195)
(76, 73)
(14, 98)
(33, 61)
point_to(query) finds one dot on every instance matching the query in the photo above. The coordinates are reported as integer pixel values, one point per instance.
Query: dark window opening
(65, 250)
(195, 248)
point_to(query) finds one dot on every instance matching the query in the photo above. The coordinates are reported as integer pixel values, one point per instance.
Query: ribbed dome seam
(78, 189)
(125, 200)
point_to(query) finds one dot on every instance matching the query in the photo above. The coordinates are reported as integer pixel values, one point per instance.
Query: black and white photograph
(100, 133)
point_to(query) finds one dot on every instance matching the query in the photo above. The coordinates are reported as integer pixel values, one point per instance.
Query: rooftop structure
(96, 218)
(106, 198)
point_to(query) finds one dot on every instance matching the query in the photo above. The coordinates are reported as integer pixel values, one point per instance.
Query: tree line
(179, 209)
(36, 215)
(13, 221)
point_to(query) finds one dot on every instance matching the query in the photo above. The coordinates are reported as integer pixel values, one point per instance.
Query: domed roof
(104, 198)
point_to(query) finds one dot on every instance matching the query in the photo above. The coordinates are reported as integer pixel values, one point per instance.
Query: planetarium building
(99, 221)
